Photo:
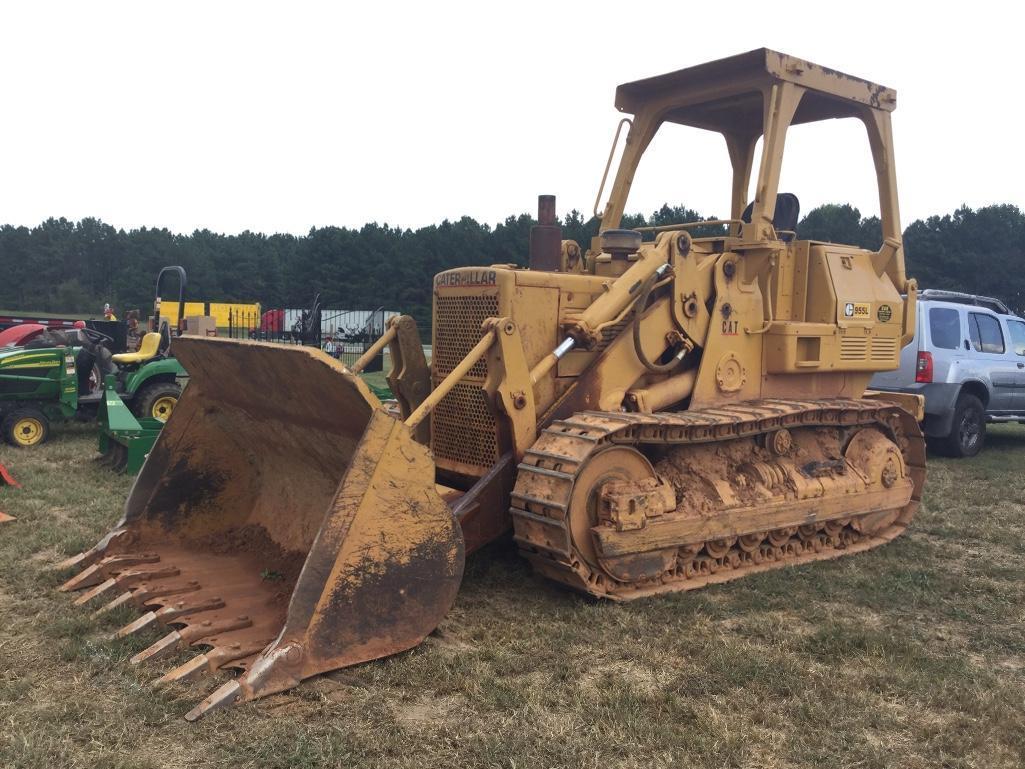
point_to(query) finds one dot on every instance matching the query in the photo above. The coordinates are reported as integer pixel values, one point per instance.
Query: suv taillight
(923, 368)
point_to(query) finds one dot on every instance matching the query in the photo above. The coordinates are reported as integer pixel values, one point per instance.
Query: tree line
(75, 267)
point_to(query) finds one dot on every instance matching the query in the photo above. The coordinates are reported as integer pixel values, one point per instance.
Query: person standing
(133, 336)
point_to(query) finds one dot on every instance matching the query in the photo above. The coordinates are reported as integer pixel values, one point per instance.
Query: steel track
(540, 504)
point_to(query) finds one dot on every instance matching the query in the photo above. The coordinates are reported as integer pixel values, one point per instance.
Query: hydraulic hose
(639, 307)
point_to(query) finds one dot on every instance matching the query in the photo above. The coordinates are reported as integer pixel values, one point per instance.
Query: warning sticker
(857, 310)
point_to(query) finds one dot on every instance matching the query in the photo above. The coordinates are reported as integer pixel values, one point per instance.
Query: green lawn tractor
(44, 383)
(41, 386)
(37, 387)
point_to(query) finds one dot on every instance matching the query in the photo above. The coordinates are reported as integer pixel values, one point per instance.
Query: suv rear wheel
(968, 430)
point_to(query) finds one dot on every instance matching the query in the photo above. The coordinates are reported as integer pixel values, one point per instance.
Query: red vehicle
(50, 321)
(272, 322)
(18, 336)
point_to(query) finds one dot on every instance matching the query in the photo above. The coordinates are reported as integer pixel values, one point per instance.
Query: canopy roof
(727, 95)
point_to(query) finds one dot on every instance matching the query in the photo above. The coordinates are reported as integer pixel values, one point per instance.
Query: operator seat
(148, 350)
(788, 211)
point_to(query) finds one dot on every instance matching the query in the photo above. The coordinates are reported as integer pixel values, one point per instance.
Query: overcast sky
(279, 117)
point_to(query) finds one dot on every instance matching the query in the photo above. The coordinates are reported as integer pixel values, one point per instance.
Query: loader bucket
(283, 522)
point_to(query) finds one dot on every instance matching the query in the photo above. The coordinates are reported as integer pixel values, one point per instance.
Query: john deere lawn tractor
(60, 376)
(656, 413)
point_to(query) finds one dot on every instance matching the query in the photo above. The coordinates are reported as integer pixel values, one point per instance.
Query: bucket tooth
(119, 560)
(73, 561)
(220, 656)
(177, 640)
(104, 567)
(122, 599)
(124, 580)
(169, 614)
(183, 608)
(195, 667)
(211, 627)
(93, 592)
(140, 623)
(212, 660)
(146, 592)
(165, 647)
(92, 555)
(91, 575)
(227, 695)
(132, 577)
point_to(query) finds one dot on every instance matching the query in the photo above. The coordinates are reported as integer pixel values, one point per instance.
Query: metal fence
(343, 334)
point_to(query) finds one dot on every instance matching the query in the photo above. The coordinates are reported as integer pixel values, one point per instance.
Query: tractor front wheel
(25, 428)
(156, 401)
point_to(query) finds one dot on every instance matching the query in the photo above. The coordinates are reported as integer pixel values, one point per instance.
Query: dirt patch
(47, 555)
(448, 642)
(428, 711)
(638, 677)
(61, 515)
(332, 689)
(284, 706)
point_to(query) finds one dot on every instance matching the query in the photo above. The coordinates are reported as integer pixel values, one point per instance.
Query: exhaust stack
(546, 237)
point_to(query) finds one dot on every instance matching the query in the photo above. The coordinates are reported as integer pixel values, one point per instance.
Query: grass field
(912, 655)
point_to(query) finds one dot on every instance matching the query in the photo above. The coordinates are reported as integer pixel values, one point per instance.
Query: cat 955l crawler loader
(655, 413)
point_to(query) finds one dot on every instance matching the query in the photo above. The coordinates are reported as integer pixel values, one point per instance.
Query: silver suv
(968, 360)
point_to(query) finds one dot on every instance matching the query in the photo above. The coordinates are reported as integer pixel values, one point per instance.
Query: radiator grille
(464, 430)
(884, 348)
(457, 322)
(853, 348)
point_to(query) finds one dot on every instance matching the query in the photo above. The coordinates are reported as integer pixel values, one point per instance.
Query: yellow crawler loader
(655, 413)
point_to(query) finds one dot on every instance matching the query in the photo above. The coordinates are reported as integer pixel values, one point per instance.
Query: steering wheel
(96, 337)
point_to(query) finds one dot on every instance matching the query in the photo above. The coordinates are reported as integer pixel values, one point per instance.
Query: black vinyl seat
(788, 211)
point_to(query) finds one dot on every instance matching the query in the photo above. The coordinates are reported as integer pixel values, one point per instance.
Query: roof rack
(961, 298)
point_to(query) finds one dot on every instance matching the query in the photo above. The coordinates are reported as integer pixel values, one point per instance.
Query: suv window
(945, 327)
(1017, 329)
(985, 332)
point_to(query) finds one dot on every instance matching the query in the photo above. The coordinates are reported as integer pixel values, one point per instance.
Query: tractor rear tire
(156, 400)
(25, 428)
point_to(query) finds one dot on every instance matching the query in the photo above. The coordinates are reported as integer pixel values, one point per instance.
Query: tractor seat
(147, 351)
(788, 211)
